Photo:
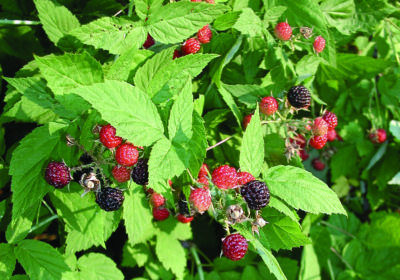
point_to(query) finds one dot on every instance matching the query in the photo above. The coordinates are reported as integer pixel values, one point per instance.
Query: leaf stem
(48, 207)
(197, 261)
(339, 229)
(130, 9)
(42, 223)
(219, 143)
(18, 22)
(341, 258)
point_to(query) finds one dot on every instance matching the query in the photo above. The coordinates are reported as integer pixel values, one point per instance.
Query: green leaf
(7, 260)
(226, 21)
(273, 14)
(40, 260)
(166, 161)
(145, 8)
(111, 33)
(302, 190)
(86, 223)
(231, 104)
(395, 128)
(177, 21)
(98, 266)
(137, 215)
(175, 261)
(252, 150)
(351, 66)
(344, 162)
(282, 232)
(283, 208)
(57, 21)
(130, 111)
(126, 65)
(108, 7)
(378, 155)
(139, 255)
(339, 13)
(176, 229)
(250, 272)
(309, 267)
(369, 13)
(180, 120)
(27, 185)
(395, 180)
(249, 23)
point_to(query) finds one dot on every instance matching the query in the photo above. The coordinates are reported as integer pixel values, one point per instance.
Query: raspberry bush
(143, 139)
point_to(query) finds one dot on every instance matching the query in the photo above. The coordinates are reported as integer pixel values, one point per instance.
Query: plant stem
(18, 22)
(48, 207)
(219, 143)
(42, 223)
(205, 257)
(130, 8)
(339, 229)
(341, 258)
(198, 263)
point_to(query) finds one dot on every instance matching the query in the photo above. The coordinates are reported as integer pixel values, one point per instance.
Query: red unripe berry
(197, 1)
(204, 35)
(200, 200)
(225, 177)
(210, 1)
(244, 177)
(317, 164)
(283, 31)
(234, 246)
(192, 45)
(319, 44)
(156, 200)
(378, 136)
(246, 120)
(121, 174)
(127, 154)
(160, 214)
(176, 55)
(320, 127)
(331, 134)
(303, 154)
(204, 170)
(149, 42)
(204, 181)
(318, 142)
(108, 138)
(268, 105)
(330, 118)
(184, 219)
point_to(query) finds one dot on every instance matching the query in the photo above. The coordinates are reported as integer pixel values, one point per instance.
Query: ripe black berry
(256, 194)
(183, 204)
(110, 199)
(86, 158)
(140, 173)
(57, 174)
(299, 97)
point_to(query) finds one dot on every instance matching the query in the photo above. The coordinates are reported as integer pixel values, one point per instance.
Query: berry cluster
(283, 31)
(192, 45)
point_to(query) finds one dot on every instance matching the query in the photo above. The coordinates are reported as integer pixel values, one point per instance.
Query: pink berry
(283, 31)
(319, 44)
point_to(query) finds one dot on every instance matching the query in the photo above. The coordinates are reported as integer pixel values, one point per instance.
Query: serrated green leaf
(98, 266)
(19, 41)
(129, 110)
(86, 223)
(395, 128)
(249, 23)
(137, 215)
(247, 94)
(176, 229)
(126, 65)
(166, 161)
(111, 33)
(302, 190)
(29, 188)
(145, 8)
(252, 150)
(283, 208)
(139, 255)
(40, 260)
(176, 261)
(274, 13)
(180, 120)
(177, 21)
(108, 7)
(57, 21)
(344, 162)
(250, 272)
(309, 267)
(282, 232)
(7, 260)
(226, 20)
(395, 180)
